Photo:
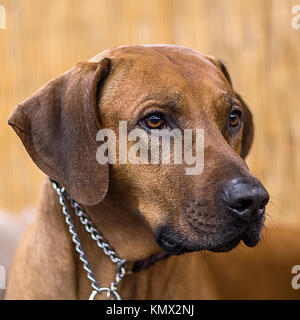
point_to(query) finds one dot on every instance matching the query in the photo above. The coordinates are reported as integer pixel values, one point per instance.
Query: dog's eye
(234, 118)
(154, 121)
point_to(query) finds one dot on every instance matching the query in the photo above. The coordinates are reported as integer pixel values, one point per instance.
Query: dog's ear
(248, 127)
(58, 126)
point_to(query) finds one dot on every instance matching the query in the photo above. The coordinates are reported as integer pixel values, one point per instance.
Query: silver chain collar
(112, 291)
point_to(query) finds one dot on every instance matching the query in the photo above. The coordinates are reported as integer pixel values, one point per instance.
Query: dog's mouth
(176, 248)
(172, 246)
(176, 244)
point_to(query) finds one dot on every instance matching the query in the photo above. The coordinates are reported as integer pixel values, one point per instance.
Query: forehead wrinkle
(221, 105)
(173, 102)
(225, 99)
(228, 98)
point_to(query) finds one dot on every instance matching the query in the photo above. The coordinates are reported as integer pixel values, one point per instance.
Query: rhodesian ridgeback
(172, 228)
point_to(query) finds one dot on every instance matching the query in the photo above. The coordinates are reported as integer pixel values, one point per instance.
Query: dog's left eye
(234, 118)
(154, 121)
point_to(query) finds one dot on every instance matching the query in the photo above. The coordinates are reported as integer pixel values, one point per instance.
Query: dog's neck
(123, 230)
(126, 231)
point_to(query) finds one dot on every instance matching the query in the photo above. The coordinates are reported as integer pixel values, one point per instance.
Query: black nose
(245, 198)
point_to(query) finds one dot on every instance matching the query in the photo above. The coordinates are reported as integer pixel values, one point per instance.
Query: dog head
(161, 88)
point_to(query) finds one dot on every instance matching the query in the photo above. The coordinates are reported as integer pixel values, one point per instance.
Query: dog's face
(158, 87)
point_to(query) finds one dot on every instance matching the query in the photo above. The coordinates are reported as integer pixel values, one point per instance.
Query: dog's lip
(252, 234)
(177, 248)
(176, 244)
(227, 245)
(172, 246)
(250, 239)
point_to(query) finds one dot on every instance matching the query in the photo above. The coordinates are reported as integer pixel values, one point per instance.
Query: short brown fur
(129, 203)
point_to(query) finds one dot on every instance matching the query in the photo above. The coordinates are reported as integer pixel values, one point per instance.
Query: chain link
(112, 291)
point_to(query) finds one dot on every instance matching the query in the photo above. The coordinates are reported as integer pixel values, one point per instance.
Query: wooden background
(43, 38)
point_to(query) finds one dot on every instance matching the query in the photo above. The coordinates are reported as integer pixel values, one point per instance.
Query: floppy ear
(58, 126)
(248, 129)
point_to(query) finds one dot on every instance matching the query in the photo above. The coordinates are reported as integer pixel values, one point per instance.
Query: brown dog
(143, 209)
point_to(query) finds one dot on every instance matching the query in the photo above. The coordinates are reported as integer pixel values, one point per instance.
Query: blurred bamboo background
(255, 39)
